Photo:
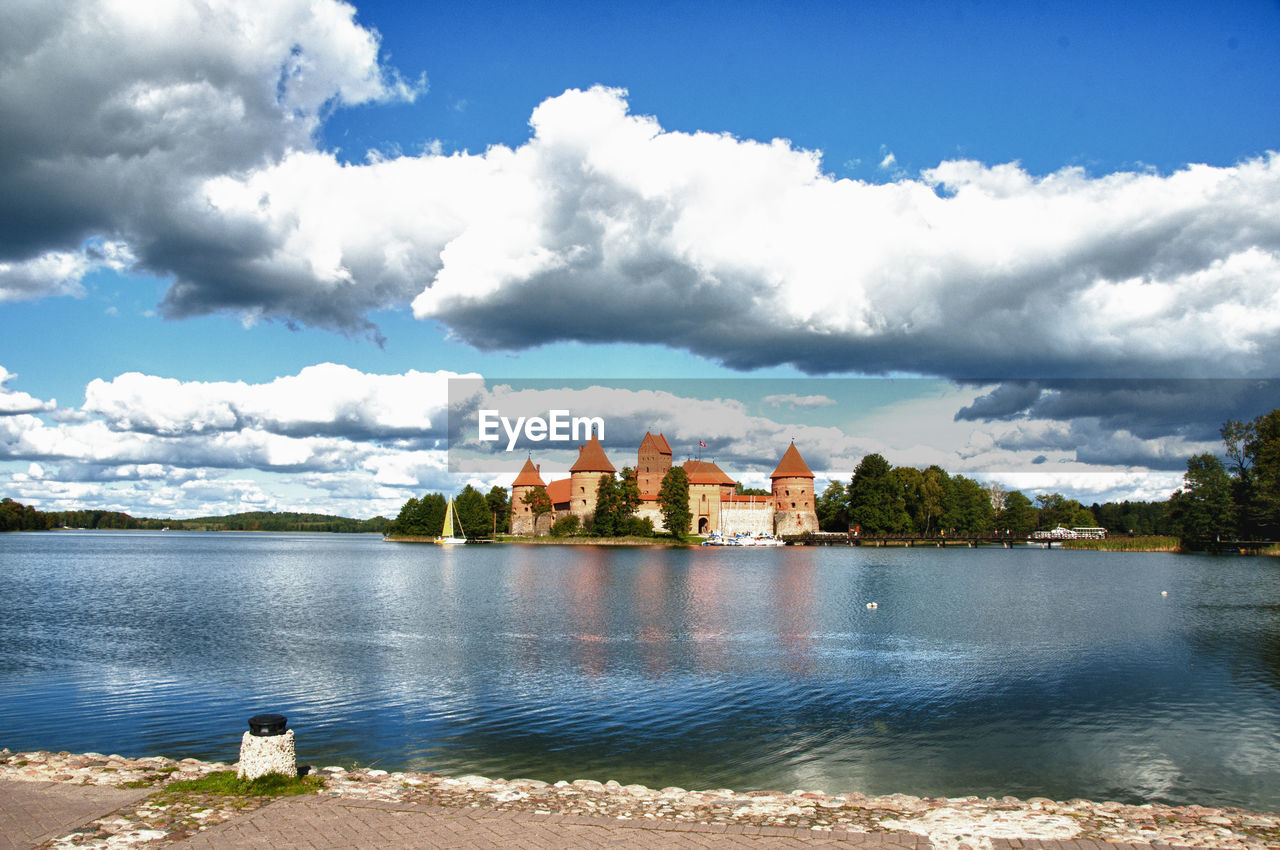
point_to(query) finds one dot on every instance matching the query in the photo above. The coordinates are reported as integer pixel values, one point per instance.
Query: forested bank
(15, 516)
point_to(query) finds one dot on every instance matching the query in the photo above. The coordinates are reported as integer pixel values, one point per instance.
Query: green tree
(673, 502)
(499, 507)
(539, 503)
(403, 523)
(1263, 449)
(1202, 509)
(1057, 510)
(473, 513)
(967, 506)
(875, 502)
(567, 526)
(909, 481)
(429, 518)
(833, 508)
(1018, 517)
(628, 494)
(605, 522)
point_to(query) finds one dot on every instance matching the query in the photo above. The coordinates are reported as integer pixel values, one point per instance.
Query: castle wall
(651, 511)
(746, 518)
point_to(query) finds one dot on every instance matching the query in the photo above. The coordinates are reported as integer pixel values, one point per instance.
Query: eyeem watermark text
(558, 425)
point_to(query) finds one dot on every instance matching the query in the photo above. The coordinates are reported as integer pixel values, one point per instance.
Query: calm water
(1025, 672)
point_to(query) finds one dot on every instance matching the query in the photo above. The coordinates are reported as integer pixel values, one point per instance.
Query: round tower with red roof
(794, 511)
(522, 519)
(584, 477)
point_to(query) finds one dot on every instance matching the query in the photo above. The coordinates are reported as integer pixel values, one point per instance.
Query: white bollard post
(267, 748)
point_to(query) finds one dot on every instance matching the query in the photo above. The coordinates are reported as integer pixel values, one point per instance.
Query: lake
(983, 671)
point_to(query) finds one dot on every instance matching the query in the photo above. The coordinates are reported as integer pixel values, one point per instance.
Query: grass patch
(137, 783)
(226, 782)
(1151, 543)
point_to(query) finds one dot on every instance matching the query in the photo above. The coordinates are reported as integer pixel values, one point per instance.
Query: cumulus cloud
(152, 442)
(185, 135)
(606, 227)
(322, 400)
(117, 112)
(1156, 423)
(14, 402)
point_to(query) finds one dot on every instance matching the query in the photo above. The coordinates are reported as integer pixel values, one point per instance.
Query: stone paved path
(35, 812)
(310, 822)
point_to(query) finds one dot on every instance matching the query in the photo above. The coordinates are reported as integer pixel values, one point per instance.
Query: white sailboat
(446, 537)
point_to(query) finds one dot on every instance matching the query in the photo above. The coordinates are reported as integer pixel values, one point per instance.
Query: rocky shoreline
(971, 822)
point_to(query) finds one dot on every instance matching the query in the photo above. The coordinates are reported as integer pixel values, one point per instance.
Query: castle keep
(713, 502)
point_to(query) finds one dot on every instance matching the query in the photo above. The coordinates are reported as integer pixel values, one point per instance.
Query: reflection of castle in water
(713, 504)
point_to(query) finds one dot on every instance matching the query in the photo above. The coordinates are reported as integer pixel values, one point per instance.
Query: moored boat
(447, 537)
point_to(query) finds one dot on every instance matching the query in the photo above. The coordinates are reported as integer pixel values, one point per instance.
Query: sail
(448, 520)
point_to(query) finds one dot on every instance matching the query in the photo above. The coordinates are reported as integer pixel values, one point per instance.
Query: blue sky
(220, 198)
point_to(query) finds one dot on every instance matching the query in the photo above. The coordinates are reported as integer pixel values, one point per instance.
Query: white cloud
(186, 136)
(116, 112)
(153, 443)
(15, 402)
(155, 446)
(606, 227)
(793, 400)
(325, 399)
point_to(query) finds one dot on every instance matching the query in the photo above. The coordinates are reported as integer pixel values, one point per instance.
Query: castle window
(793, 504)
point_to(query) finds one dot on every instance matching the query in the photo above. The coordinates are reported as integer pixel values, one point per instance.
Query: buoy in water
(1164, 593)
(873, 605)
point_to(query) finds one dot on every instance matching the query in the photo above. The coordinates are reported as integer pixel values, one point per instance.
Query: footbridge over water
(1008, 541)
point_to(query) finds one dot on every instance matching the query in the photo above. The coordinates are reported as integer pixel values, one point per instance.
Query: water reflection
(981, 671)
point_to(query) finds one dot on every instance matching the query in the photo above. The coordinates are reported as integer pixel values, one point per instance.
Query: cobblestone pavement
(65, 801)
(35, 812)
(318, 822)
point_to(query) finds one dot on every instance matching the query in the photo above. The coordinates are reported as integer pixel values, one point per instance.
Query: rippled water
(1025, 672)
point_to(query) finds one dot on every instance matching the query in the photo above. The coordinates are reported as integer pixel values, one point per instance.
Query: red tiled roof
(705, 472)
(591, 458)
(528, 476)
(792, 465)
(658, 443)
(560, 491)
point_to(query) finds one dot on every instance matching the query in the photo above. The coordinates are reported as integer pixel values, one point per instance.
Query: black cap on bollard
(265, 725)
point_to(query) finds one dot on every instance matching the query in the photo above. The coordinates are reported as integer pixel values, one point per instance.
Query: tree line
(480, 515)
(882, 499)
(15, 516)
(1239, 500)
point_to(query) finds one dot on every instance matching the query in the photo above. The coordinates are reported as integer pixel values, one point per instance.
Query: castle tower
(522, 520)
(708, 487)
(653, 462)
(794, 511)
(584, 477)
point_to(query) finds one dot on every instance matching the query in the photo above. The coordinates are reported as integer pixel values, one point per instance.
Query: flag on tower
(701, 445)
